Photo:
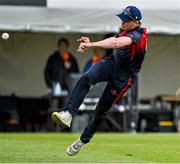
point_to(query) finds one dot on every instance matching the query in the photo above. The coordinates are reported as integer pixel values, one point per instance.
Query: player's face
(128, 25)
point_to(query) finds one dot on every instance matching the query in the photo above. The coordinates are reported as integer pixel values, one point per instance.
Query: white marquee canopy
(89, 16)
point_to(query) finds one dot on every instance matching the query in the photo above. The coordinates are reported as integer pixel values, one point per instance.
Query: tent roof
(90, 16)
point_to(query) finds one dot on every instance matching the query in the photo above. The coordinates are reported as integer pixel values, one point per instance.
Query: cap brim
(123, 17)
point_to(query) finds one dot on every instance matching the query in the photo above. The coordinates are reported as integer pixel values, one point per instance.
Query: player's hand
(83, 47)
(84, 40)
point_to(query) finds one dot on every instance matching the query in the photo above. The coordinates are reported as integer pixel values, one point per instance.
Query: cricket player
(119, 70)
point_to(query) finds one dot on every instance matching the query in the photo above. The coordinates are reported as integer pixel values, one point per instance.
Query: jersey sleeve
(135, 36)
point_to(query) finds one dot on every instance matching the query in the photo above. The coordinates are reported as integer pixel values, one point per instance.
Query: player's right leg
(100, 72)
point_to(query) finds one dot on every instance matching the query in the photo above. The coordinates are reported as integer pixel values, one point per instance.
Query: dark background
(23, 2)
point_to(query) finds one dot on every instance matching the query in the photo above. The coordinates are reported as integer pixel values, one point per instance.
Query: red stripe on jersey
(124, 89)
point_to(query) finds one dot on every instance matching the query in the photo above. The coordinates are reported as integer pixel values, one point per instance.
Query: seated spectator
(59, 65)
(96, 57)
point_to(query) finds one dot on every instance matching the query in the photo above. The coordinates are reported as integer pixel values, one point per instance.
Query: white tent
(23, 55)
(90, 16)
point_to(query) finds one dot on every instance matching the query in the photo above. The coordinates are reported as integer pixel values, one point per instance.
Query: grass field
(105, 147)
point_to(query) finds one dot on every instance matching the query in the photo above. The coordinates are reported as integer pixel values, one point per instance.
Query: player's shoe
(63, 118)
(75, 147)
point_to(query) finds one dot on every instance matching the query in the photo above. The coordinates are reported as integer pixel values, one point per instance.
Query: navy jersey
(131, 57)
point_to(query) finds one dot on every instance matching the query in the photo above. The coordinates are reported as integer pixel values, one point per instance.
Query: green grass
(105, 147)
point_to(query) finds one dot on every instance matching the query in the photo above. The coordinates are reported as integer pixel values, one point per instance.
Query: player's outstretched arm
(112, 42)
